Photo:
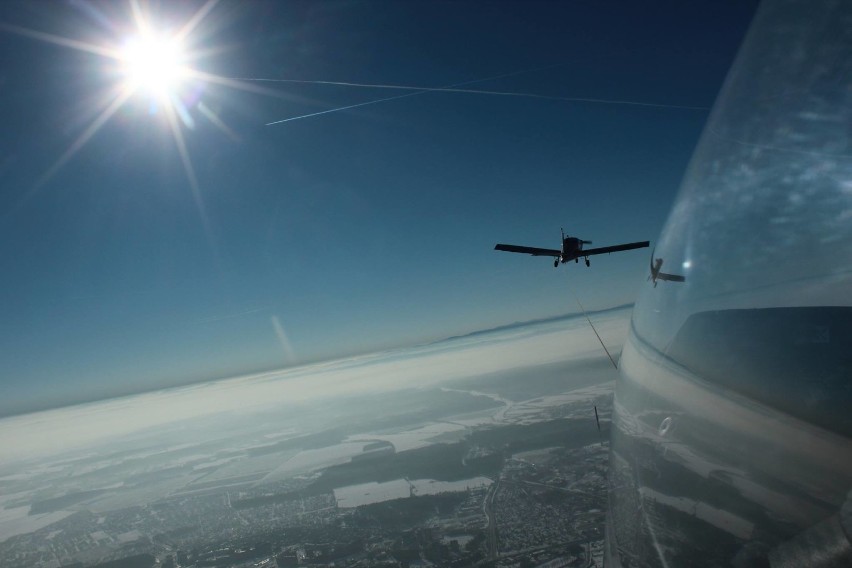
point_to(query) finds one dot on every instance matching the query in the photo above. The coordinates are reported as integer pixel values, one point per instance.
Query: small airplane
(656, 274)
(572, 249)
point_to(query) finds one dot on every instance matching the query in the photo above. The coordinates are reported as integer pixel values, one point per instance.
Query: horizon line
(318, 361)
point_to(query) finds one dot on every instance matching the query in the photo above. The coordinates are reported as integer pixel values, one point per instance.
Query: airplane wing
(669, 277)
(528, 250)
(614, 248)
(656, 274)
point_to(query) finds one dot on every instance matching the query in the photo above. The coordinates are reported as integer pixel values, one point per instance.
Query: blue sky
(349, 232)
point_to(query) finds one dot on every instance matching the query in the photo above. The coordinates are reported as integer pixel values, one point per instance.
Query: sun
(154, 64)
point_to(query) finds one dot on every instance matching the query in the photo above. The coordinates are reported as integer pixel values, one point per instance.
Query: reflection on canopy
(731, 441)
(763, 216)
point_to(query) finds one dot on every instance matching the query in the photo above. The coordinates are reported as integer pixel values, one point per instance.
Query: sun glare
(153, 64)
(150, 63)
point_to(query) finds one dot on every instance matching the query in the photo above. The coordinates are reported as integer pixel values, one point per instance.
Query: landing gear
(556, 263)
(576, 260)
(587, 262)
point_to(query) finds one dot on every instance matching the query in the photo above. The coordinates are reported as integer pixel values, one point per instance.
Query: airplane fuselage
(572, 248)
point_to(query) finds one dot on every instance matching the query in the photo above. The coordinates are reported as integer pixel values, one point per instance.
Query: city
(489, 478)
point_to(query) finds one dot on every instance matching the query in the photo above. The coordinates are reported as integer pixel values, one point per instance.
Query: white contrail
(467, 91)
(344, 108)
(454, 88)
(417, 90)
(286, 346)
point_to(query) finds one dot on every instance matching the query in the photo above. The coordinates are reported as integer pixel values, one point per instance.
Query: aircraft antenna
(598, 422)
